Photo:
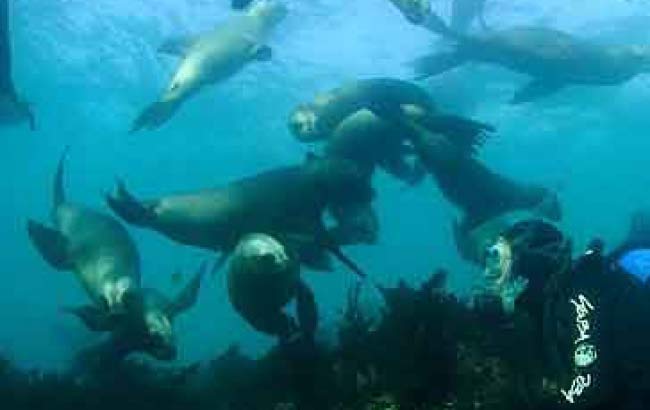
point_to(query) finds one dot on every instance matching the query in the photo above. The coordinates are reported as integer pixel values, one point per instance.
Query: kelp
(429, 350)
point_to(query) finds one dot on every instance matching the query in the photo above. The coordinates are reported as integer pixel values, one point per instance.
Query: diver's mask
(498, 281)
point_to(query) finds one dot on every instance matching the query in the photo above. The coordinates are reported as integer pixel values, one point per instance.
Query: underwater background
(89, 66)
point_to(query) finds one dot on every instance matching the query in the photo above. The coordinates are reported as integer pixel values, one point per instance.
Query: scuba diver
(588, 318)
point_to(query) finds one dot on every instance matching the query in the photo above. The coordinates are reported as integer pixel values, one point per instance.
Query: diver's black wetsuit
(596, 336)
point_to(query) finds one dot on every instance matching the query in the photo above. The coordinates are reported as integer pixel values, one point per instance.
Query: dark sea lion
(553, 58)
(288, 202)
(263, 276)
(213, 57)
(105, 260)
(13, 110)
(146, 326)
(355, 122)
(317, 120)
(482, 195)
(420, 13)
(95, 246)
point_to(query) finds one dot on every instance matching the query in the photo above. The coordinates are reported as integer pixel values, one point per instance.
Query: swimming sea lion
(288, 202)
(263, 276)
(420, 13)
(553, 58)
(213, 57)
(317, 120)
(148, 324)
(355, 121)
(13, 110)
(481, 194)
(96, 247)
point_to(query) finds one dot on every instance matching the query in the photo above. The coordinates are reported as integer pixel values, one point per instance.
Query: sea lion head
(149, 317)
(261, 253)
(113, 294)
(304, 124)
(268, 10)
(150, 324)
(186, 81)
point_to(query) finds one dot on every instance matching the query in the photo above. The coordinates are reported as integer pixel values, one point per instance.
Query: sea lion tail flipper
(154, 115)
(535, 90)
(58, 191)
(128, 207)
(187, 297)
(434, 64)
(464, 133)
(94, 318)
(219, 263)
(50, 243)
(306, 309)
(176, 46)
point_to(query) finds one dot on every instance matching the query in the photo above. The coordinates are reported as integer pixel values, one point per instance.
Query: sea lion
(420, 13)
(481, 194)
(553, 58)
(288, 202)
(13, 110)
(95, 246)
(315, 121)
(212, 57)
(263, 276)
(148, 324)
(355, 121)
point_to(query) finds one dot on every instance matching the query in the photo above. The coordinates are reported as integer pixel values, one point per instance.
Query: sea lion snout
(161, 343)
(303, 124)
(113, 294)
(262, 253)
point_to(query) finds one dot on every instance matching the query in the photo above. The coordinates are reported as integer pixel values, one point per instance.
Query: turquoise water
(89, 67)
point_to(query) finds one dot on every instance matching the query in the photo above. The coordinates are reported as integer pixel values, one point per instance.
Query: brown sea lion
(105, 260)
(95, 246)
(481, 194)
(263, 276)
(553, 58)
(288, 202)
(213, 57)
(353, 122)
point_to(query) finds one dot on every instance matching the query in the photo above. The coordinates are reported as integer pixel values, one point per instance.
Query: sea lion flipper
(306, 309)
(177, 46)
(187, 297)
(434, 64)
(128, 207)
(154, 115)
(466, 134)
(50, 243)
(535, 90)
